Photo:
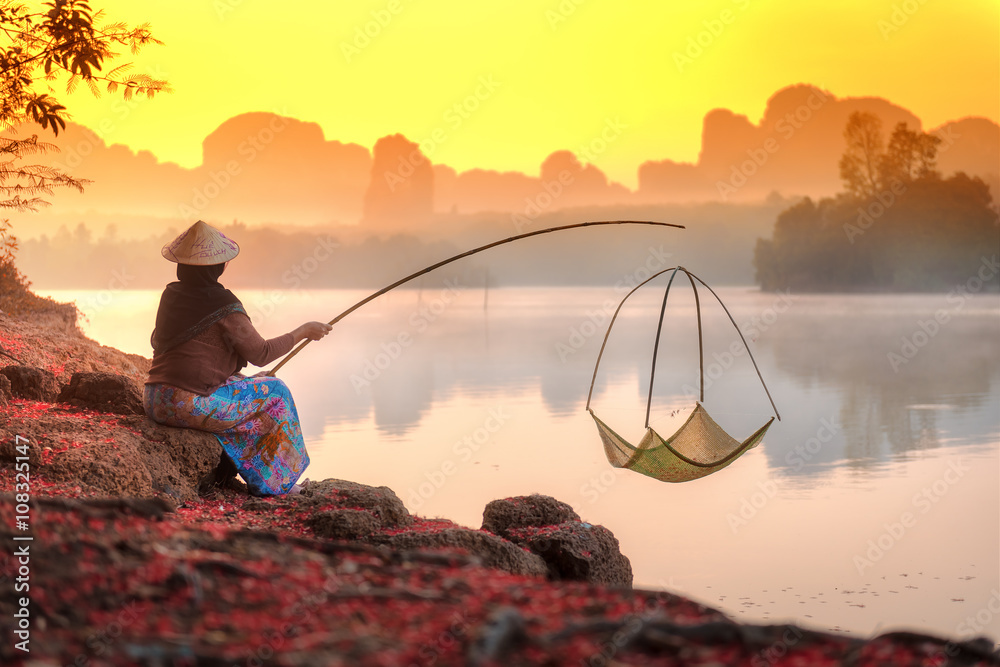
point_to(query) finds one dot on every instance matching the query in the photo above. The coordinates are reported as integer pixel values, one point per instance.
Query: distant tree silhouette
(899, 225)
(910, 155)
(859, 166)
(868, 167)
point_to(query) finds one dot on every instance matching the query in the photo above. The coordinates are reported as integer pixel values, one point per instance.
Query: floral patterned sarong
(255, 421)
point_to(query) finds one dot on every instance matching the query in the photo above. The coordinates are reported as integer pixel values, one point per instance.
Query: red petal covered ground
(113, 584)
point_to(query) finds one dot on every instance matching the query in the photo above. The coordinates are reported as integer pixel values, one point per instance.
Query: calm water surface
(873, 504)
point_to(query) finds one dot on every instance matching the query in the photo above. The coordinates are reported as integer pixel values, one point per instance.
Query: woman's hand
(311, 330)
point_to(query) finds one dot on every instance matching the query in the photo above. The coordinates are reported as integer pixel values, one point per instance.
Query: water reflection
(838, 367)
(857, 379)
(857, 443)
(908, 372)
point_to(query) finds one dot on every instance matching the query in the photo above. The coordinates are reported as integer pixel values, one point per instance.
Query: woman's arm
(240, 333)
(310, 330)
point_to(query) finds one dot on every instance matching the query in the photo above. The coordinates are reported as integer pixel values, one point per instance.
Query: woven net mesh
(698, 448)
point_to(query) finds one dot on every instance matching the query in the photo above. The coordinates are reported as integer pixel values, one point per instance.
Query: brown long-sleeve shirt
(205, 362)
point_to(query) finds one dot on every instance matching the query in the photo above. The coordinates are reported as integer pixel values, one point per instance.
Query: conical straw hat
(201, 245)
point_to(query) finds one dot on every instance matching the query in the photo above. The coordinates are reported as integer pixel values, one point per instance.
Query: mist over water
(873, 503)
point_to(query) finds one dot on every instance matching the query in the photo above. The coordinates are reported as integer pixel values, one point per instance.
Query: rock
(66, 353)
(258, 504)
(375, 515)
(5, 393)
(13, 447)
(114, 468)
(111, 454)
(380, 501)
(493, 551)
(577, 551)
(344, 524)
(178, 459)
(500, 516)
(143, 459)
(103, 392)
(147, 508)
(61, 317)
(31, 383)
(551, 529)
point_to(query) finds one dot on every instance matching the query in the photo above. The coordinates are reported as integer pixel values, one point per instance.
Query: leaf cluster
(56, 40)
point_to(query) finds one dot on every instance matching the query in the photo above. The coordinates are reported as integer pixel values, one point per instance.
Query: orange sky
(504, 84)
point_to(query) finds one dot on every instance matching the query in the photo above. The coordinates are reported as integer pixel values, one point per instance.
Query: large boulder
(145, 460)
(381, 501)
(500, 516)
(111, 454)
(339, 510)
(572, 549)
(491, 550)
(344, 524)
(31, 383)
(103, 392)
(179, 460)
(578, 551)
(5, 393)
(64, 353)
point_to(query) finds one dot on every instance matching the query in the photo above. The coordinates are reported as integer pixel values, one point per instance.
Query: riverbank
(144, 553)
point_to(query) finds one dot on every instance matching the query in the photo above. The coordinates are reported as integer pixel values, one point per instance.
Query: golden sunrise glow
(530, 78)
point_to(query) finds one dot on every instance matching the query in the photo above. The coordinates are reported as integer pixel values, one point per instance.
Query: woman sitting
(203, 338)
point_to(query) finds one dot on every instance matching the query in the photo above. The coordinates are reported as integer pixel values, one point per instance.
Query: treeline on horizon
(717, 243)
(898, 225)
(269, 258)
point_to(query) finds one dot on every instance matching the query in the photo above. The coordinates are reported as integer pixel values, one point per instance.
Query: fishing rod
(457, 257)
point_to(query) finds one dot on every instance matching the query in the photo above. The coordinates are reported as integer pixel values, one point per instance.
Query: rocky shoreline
(146, 549)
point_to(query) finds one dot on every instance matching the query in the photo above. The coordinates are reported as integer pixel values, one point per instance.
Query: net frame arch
(706, 446)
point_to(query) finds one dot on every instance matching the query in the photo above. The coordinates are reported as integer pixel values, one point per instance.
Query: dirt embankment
(146, 551)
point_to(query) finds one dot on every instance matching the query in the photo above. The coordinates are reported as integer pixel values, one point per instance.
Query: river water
(873, 504)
